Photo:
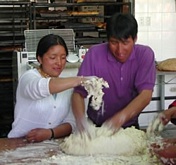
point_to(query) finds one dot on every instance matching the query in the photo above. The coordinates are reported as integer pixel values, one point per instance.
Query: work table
(19, 152)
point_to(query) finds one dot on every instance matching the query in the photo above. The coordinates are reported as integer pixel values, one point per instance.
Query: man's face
(121, 50)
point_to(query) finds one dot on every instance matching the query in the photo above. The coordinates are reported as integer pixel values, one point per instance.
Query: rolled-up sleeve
(34, 87)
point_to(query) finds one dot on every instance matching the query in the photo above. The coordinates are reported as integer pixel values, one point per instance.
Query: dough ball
(129, 141)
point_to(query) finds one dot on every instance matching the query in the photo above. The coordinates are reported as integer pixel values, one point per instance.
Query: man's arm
(78, 107)
(131, 110)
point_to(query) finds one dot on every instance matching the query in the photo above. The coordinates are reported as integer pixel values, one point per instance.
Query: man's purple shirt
(126, 80)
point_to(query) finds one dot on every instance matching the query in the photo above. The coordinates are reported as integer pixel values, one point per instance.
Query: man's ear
(135, 39)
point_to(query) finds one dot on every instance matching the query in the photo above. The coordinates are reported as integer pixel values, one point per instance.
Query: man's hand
(83, 127)
(115, 123)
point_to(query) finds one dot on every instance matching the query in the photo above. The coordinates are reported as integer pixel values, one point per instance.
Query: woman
(42, 109)
(163, 118)
(170, 114)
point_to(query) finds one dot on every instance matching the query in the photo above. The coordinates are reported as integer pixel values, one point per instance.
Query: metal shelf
(14, 20)
(41, 13)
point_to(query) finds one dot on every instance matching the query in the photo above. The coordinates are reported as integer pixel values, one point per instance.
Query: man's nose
(119, 47)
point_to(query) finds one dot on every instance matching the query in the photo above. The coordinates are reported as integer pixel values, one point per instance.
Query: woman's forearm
(60, 84)
(62, 130)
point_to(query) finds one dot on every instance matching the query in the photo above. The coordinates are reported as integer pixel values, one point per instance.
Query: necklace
(43, 74)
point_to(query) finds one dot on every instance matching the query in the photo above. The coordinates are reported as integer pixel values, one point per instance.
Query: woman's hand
(166, 151)
(38, 135)
(158, 123)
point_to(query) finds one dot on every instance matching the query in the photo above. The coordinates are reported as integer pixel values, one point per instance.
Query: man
(129, 70)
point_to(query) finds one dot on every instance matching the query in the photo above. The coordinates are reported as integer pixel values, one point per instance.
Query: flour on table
(63, 159)
(94, 88)
(29, 154)
(129, 141)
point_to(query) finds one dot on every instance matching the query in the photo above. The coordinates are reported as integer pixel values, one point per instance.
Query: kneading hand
(115, 123)
(157, 125)
(109, 128)
(83, 127)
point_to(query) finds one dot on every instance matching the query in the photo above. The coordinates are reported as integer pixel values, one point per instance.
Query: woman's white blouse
(37, 108)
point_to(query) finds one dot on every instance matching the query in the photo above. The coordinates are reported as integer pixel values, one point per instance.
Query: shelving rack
(87, 32)
(14, 19)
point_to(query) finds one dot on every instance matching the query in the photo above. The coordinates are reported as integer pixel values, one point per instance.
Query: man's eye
(113, 42)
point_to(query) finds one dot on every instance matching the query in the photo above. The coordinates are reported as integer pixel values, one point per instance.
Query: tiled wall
(157, 28)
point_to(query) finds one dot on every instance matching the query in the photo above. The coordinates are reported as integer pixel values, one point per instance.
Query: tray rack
(32, 38)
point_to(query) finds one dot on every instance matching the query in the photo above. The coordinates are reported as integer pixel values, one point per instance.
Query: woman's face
(53, 61)
(121, 50)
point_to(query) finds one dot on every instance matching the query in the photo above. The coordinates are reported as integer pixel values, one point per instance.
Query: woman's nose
(58, 61)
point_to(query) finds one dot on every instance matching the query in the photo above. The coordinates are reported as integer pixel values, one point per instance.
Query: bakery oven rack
(14, 20)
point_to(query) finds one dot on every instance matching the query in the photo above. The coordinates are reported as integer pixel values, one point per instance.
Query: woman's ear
(39, 59)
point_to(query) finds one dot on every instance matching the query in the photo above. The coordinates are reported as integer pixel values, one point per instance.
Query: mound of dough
(167, 65)
(129, 141)
(94, 87)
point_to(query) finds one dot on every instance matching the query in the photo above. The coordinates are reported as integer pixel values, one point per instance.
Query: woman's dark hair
(122, 26)
(47, 42)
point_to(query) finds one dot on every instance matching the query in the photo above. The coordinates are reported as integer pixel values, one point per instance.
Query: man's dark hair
(122, 26)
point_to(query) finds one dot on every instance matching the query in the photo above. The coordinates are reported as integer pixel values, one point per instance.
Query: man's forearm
(78, 106)
(137, 104)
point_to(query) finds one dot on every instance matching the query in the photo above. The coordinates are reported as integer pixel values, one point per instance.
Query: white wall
(157, 28)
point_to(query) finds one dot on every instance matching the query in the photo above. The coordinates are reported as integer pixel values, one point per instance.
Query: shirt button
(49, 123)
(121, 78)
(54, 107)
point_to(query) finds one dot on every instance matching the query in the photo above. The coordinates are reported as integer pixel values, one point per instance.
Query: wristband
(52, 134)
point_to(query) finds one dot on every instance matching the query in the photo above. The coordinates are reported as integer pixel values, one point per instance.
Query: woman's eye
(52, 57)
(63, 57)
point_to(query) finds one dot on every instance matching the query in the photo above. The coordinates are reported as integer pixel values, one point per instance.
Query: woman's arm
(41, 134)
(60, 84)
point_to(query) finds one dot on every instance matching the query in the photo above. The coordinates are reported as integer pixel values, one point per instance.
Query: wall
(157, 28)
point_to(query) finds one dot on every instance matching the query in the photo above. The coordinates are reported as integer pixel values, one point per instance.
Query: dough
(125, 142)
(94, 87)
(167, 65)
